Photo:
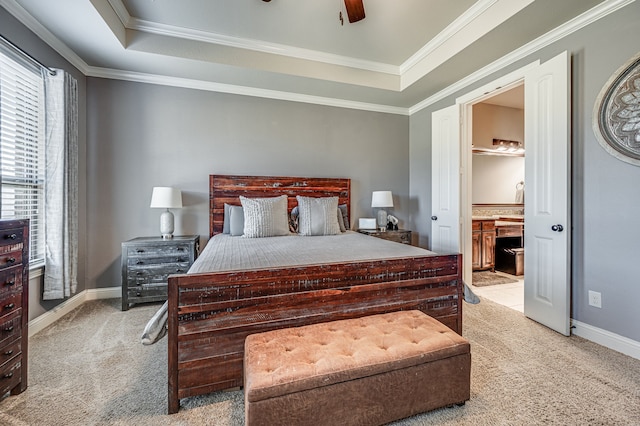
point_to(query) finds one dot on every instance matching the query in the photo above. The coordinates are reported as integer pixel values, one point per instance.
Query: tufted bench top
(289, 360)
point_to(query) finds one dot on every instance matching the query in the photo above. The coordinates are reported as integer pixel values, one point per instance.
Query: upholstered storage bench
(362, 371)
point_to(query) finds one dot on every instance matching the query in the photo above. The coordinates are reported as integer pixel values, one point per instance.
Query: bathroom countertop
(514, 217)
(483, 217)
(508, 223)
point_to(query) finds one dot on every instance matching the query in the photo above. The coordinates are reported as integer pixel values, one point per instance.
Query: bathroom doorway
(497, 197)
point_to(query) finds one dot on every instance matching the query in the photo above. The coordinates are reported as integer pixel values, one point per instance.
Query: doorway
(497, 196)
(547, 285)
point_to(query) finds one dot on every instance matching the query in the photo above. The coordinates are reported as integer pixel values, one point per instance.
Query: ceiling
(402, 53)
(512, 98)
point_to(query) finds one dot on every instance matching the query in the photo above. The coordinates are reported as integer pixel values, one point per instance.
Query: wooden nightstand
(148, 261)
(400, 236)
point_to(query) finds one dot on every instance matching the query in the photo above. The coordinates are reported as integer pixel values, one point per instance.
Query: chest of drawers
(14, 305)
(148, 261)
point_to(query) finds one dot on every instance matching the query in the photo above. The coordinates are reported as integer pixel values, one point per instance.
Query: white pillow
(265, 217)
(318, 216)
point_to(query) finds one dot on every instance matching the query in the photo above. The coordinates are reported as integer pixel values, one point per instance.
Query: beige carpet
(90, 369)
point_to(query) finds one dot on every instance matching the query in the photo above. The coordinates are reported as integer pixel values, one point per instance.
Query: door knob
(557, 228)
(434, 217)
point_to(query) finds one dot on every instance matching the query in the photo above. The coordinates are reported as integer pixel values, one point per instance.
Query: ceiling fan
(355, 10)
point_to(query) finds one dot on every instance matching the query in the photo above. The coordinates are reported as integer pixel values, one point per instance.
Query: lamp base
(382, 220)
(166, 225)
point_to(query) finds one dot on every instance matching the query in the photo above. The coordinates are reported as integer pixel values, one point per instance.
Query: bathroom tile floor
(510, 295)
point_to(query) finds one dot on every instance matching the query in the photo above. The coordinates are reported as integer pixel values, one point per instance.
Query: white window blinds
(22, 162)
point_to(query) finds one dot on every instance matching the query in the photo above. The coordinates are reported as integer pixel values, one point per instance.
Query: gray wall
(18, 34)
(606, 194)
(143, 135)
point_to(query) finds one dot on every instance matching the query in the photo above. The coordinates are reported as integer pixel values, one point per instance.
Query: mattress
(227, 253)
(224, 252)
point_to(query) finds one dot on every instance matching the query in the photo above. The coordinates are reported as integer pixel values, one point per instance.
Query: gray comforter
(227, 253)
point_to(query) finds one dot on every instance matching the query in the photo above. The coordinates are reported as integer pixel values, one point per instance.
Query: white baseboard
(104, 293)
(38, 324)
(606, 338)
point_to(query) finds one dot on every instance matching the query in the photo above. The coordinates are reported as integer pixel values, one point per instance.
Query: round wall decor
(616, 115)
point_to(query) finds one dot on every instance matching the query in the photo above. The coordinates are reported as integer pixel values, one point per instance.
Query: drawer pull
(10, 306)
(11, 260)
(10, 283)
(9, 329)
(138, 294)
(139, 273)
(179, 259)
(139, 251)
(179, 271)
(11, 236)
(139, 262)
(180, 248)
(9, 353)
(8, 375)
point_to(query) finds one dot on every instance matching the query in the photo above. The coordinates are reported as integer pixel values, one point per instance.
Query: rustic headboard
(227, 189)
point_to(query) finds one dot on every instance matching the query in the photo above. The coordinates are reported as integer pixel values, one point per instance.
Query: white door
(445, 175)
(547, 171)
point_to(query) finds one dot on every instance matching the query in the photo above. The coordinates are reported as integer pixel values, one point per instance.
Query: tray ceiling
(402, 52)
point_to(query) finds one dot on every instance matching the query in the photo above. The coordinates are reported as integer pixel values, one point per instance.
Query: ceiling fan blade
(355, 10)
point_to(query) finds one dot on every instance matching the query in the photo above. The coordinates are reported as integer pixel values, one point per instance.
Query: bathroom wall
(494, 178)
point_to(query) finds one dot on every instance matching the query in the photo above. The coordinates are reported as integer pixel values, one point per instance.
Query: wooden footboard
(211, 314)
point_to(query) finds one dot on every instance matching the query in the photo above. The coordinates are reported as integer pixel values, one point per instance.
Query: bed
(215, 306)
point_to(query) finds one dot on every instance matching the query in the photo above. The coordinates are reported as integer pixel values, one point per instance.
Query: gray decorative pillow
(236, 220)
(341, 221)
(293, 220)
(265, 217)
(227, 217)
(345, 216)
(318, 216)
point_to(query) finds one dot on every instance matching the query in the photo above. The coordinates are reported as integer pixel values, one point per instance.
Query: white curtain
(61, 186)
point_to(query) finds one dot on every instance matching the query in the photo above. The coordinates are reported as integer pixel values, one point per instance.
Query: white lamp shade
(381, 199)
(164, 197)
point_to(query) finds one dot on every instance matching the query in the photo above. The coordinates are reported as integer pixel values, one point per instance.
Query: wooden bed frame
(210, 314)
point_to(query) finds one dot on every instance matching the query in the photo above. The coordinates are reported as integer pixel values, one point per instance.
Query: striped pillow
(318, 216)
(265, 217)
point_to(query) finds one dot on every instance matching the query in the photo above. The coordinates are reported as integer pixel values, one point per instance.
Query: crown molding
(241, 90)
(590, 16)
(120, 9)
(44, 34)
(456, 26)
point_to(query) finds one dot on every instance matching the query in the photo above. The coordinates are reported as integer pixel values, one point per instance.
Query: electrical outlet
(595, 299)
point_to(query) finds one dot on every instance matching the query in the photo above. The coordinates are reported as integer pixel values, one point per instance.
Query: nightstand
(400, 236)
(148, 261)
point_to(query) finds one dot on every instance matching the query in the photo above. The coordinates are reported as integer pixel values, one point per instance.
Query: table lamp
(380, 200)
(164, 197)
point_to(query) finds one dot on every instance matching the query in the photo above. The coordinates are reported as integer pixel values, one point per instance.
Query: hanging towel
(520, 192)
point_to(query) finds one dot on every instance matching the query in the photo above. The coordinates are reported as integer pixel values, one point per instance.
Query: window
(22, 135)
